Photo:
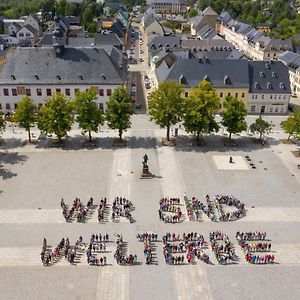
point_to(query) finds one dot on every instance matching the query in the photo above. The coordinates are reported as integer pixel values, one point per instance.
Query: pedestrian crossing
(172, 180)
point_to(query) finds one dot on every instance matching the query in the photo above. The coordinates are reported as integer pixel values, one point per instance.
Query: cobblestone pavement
(34, 179)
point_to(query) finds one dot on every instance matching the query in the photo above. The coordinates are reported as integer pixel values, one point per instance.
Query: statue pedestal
(146, 174)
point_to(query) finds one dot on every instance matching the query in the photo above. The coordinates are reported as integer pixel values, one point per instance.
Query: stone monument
(145, 173)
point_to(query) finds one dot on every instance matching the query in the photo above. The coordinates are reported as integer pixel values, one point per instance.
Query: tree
(260, 126)
(24, 115)
(2, 122)
(193, 12)
(291, 125)
(234, 115)
(56, 116)
(166, 105)
(89, 115)
(200, 108)
(60, 7)
(119, 111)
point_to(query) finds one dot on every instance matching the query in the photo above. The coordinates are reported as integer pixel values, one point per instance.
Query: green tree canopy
(200, 108)
(119, 111)
(2, 122)
(166, 105)
(234, 115)
(89, 116)
(260, 126)
(24, 115)
(291, 125)
(56, 116)
(193, 12)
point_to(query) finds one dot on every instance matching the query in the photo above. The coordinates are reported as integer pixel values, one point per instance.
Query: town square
(36, 177)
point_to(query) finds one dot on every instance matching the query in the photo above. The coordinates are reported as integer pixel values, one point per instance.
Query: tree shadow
(10, 159)
(12, 143)
(217, 143)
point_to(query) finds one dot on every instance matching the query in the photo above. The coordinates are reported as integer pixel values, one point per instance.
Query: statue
(145, 165)
(145, 173)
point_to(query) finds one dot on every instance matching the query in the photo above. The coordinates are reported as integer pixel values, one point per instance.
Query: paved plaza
(34, 178)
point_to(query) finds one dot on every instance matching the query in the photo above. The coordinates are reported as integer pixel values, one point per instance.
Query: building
(264, 27)
(269, 91)
(263, 86)
(253, 42)
(148, 17)
(292, 61)
(39, 72)
(108, 39)
(207, 17)
(169, 6)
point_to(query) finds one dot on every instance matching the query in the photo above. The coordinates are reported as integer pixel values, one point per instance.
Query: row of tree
(58, 114)
(197, 112)
(166, 108)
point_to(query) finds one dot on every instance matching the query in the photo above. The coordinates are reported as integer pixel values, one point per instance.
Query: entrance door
(262, 109)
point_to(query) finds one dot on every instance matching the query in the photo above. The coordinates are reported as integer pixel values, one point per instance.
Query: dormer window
(36, 76)
(267, 65)
(261, 74)
(269, 86)
(257, 86)
(103, 76)
(274, 74)
(227, 80)
(181, 79)
(13, 77)
(58, 77)
(80, 77)
(281, 85)
(206, 78)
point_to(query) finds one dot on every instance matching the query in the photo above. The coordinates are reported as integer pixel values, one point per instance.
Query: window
(262, 97)
(5, 92)
(21, 34)
(101, 92)
(39, 92)
(271, 96)
(253, 96)
(67, 92)
(276, 109)
(28, 34)
(101, 106)
(243, 95)
(76, 91)
(275, 97)
(14, 92)
(58, 91)
(284, 97)
(186, 94)
(108, 92)
(229, 94)
(279, 97)
(221, 94)
(28, 92)
(252, 108)
(236, 95)
(16, 105)
(271, 109)
(281, 108)
(0, 106)
(7, 105)
(48, 91)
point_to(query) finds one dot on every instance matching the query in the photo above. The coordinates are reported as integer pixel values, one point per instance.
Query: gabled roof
(208, 11)
(269, 77)
(41, 66)
(30, 28)
(206, 32)
(225, 17)
(195, 70)
(107, 39)
(165, 41)
(206, 45)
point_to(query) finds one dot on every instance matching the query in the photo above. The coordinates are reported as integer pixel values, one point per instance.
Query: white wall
(41, 99)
